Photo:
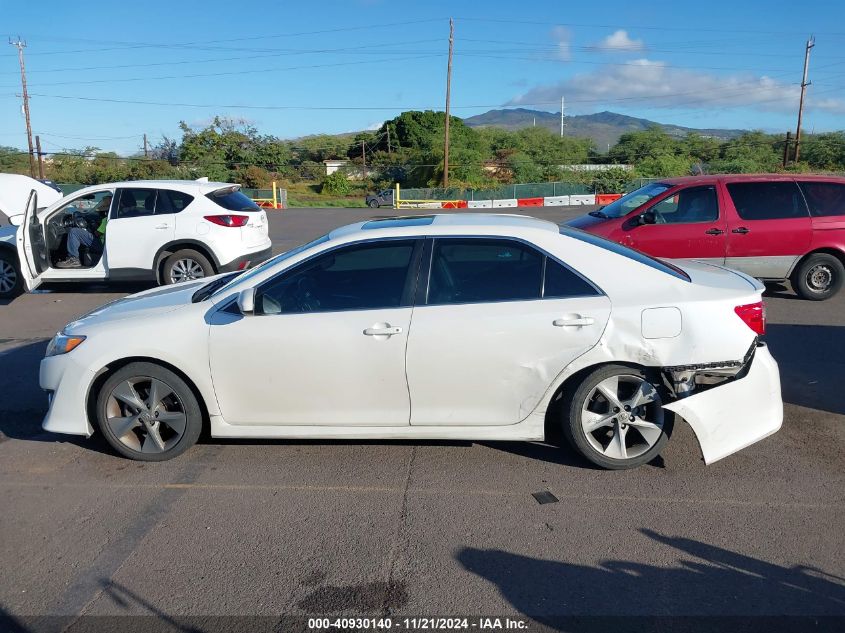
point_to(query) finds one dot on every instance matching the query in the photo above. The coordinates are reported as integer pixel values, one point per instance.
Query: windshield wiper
(599, 214)
(208, 289)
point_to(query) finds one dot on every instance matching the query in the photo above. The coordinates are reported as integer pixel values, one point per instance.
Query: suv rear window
(779, 200)
(630, 253)
(232, 200)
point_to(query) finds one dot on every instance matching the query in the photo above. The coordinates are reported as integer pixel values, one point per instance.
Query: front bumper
(245, 261)
(729, 417)
(67, 383)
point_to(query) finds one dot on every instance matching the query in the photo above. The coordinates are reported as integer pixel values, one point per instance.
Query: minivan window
(778, 200)
(690, 205)
(824, 198)
(482, 270)
(630, 201)
(232, 200)
(366, 276)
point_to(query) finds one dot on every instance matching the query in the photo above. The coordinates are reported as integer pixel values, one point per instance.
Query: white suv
(156, 230)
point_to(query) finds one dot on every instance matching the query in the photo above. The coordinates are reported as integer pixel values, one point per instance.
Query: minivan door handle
(573, 321)
(741, 230)
(714, 231)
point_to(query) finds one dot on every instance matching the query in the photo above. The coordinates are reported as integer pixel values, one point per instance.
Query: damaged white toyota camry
(471, 327)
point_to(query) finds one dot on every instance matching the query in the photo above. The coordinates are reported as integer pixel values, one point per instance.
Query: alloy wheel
(186, 270)
(622, 417)
(8, 276)
(146, 415)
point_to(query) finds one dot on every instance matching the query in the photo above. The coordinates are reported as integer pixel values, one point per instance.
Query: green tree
(336, 184)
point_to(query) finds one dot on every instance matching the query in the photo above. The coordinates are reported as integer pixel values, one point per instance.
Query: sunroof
(411, 220)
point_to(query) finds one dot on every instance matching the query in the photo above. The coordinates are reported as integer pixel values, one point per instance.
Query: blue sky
(102, 73)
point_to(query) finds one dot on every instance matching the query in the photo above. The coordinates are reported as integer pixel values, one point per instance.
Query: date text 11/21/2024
(419, 623)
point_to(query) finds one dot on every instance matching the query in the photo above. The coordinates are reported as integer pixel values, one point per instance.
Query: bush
(336, 184)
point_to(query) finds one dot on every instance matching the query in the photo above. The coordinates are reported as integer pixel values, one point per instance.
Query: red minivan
(769, 226)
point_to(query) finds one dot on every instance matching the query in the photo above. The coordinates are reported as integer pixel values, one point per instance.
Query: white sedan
(470, 327)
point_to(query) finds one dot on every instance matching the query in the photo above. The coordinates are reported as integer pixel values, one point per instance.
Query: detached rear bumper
(736, 414)
(245, 261)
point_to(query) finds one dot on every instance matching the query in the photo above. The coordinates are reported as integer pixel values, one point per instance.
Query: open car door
(32, 247)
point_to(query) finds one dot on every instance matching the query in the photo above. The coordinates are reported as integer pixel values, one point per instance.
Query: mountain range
(604, 128)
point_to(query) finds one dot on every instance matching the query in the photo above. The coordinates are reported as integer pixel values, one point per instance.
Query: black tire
(182, 400)
(818, 277)
(175, 270)
(653, 413)
(11, 281)
(373, 204)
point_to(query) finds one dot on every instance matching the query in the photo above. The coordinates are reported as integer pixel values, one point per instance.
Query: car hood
(585, 222)
(141, 305)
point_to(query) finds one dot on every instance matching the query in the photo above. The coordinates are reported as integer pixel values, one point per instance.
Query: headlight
(62, 343)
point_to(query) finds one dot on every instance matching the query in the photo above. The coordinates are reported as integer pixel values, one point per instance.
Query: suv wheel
(10, 276)
(147, 412)
(818, 277)
(186, 265)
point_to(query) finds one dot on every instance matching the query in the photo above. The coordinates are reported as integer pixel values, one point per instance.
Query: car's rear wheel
(186, 265)
(147, 412)
(615, 418)
(10, 276)
(373, 204)
(818, 277)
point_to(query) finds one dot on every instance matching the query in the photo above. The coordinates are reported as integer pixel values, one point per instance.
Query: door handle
(714, 231)
(576, 321)
(162, 226)
(383, 331)
(742, 230)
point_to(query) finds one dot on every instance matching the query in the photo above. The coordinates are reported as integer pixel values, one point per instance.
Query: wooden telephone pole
(20, 45)
(40, 157)
(804, 83)
(448, 95)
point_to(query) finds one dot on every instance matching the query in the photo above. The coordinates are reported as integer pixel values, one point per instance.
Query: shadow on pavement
(706, 581)
(812, 364)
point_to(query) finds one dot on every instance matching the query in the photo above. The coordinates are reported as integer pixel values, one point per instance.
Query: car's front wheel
(818, 277)
(10, 276)
(186, 265)
(615, 418)
(373, 204)
(147, 412)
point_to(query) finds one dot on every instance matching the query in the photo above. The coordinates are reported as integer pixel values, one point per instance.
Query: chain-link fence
(528, 190)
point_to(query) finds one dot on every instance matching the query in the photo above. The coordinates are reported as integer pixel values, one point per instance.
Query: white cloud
(645, 83)
(563, 38)
(619, 41)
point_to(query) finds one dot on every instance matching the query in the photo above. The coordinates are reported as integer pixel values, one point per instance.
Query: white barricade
(479, 204)
(556, 201)
(507, 202)
(582, 199)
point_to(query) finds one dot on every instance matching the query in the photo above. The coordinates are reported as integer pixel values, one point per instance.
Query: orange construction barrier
(607, 198)
(530, 202)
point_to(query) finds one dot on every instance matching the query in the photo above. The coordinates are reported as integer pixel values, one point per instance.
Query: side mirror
(246, 301)
(16, 220)
(647, 217)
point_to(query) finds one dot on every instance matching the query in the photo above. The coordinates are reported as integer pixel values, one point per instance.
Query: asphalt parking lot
(431, 528)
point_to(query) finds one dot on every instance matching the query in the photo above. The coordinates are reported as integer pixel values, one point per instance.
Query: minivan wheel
(148, 413)
(818, 277)
(615, 418)
(10, 276)
(186, 265)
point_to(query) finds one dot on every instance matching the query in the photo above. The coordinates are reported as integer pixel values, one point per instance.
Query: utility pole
(562, 124)
(363, 153)
(786, 148)
(40, 155)
(388, 139)
(146, 147)
(448, 95)
(804, 83)
(20, 45)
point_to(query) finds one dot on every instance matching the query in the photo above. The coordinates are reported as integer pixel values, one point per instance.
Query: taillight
(754, 315)
(228, 220)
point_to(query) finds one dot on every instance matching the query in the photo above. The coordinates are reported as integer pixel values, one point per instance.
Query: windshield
(631, 201)
(252, 272)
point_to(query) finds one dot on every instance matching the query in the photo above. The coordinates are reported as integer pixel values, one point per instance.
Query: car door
(326, 345)
(31, 244)
(497, 322)
(135, 233)
(769, 227)
(688, 223)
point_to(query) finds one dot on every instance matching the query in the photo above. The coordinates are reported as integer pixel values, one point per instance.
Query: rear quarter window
(779, 200)
(824, 198)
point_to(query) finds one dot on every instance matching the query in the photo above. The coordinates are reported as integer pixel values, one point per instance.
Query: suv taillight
(228, 220)
(754, 316)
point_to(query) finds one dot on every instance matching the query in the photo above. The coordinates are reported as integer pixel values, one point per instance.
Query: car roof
(692, 180)
(162, 184)
(424, 224)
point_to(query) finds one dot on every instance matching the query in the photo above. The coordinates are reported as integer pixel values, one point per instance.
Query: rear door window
(169, 201)
(483, 270)
(824, 198)
(559, 282)
(767, 200)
